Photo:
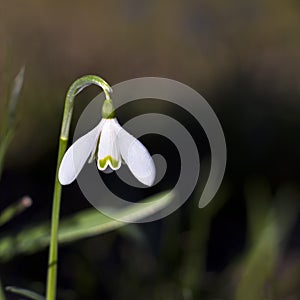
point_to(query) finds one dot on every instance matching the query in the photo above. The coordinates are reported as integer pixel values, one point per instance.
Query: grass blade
(84, 224)
(24, 292)
(14, 209)
(2, 296)
(267, 241)
(9, 117)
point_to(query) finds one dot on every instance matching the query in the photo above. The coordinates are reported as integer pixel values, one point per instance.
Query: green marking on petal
(104, 161)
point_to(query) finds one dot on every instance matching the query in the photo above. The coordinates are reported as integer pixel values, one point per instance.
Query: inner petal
(108, 151)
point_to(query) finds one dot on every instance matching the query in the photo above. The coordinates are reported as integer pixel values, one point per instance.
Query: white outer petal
(136, 156)
(108, 146)
(77, 154)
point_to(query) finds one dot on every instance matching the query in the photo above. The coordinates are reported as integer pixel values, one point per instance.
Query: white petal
(136, 156)
(108, 152)
(95, 148)
(77, 154)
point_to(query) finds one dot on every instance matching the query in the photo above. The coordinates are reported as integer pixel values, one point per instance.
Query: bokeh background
(244, 58)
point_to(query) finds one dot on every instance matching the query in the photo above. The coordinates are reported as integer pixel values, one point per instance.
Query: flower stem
(74, 90)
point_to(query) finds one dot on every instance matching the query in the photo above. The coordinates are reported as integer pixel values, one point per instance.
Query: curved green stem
(74, 90)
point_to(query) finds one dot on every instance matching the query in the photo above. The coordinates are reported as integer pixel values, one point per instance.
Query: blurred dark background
(244, 58)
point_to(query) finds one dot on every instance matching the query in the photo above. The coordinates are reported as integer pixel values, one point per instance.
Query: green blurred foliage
(84, 224)
(201, 43)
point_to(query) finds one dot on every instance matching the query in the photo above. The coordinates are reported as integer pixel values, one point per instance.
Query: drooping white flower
(109, 144)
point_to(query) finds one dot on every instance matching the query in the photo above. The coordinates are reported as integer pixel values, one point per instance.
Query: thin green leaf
(24, 292)
(2, 296)
(4, 143)
(15, 93)
(267, 241)
(14, 209)
(9, 117)
(81, 225)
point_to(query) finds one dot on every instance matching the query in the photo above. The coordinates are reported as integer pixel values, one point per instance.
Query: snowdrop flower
(110, 145)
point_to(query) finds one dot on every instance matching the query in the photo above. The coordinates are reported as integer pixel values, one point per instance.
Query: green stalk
(74, 90)
(2, 296)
